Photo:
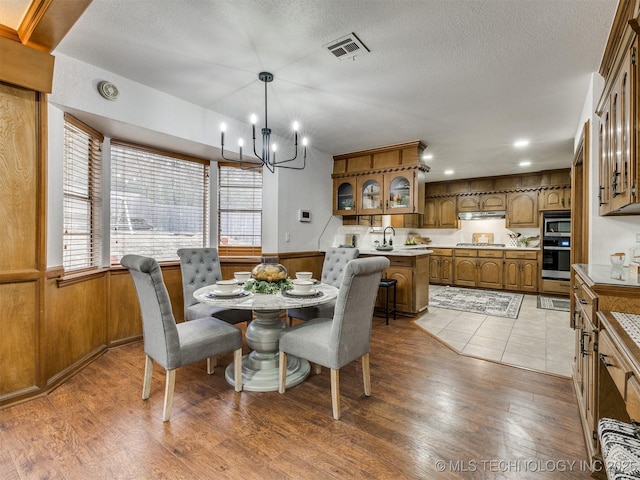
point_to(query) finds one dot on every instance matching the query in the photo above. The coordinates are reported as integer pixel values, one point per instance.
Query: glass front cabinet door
(400, 193)
(370, 195)
(344, 201)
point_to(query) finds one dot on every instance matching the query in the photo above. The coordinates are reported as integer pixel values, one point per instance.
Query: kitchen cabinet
(487, 202)
(478, 268)
(606, 358)
(344, 196)
(385, 181)
(440, 213)
(557, 199)
(490, 266)
(412, 274)
(441, 266)
(408, 220)
(617, 162)
(369, 195)
(522, 210)
(521, 271)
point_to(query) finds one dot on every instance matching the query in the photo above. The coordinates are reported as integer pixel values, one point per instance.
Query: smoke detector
(346, 47)
(108, 90)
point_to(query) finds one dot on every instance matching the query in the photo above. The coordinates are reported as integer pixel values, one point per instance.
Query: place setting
(227, 289)
(303, 287)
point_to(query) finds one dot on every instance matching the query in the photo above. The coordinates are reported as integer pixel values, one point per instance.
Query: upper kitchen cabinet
(618, 155)
(489, 202)
(385, 180)
(344, 196)
(522, 210)
(440, 213)
(557, 199)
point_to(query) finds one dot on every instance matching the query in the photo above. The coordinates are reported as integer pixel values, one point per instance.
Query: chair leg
(168, 394)
(335, 393)
(146, 383)
(366, 374)
(318, 368)
(282, 372)
(211, 364)
(237, 369)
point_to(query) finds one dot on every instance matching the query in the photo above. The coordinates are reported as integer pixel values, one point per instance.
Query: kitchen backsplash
(445, 237)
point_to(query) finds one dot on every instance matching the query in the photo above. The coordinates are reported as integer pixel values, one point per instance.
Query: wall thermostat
(304, 215)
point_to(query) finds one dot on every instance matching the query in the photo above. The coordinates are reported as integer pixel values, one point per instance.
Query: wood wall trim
(9, 33)
(26, 67)
(47, 22)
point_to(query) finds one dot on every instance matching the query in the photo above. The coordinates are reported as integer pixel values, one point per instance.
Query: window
(82, 201)
(159, 202)
(239, 211)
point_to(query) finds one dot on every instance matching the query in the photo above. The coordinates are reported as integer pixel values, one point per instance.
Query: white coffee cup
(304, 275)
(301, 286)
(242, 277)
(226, 286)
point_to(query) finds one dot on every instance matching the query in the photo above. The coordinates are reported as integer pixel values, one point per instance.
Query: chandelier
(268, 156)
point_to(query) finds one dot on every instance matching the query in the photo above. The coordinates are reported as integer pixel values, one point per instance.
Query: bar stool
(387, 284)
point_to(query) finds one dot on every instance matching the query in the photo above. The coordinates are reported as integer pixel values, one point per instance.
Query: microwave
(556, 225)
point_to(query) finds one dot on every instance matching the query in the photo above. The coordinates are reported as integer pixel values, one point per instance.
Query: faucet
(384, 239)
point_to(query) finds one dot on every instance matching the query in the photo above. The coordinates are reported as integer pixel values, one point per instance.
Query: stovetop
(480, 245)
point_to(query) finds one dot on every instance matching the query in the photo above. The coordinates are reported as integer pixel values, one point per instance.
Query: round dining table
(260, 366)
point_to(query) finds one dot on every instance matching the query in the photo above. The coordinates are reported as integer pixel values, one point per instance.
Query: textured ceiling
(467, 77)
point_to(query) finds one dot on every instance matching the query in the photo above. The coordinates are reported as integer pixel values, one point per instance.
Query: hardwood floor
(433, 414)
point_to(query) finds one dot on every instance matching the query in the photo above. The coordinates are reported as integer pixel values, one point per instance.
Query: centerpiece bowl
(269, 272)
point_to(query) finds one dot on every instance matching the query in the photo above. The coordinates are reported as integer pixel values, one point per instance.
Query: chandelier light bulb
(305, 142)
(223, 127)
(254, 119)
(295, 126)
(240, 142)
(275, 147)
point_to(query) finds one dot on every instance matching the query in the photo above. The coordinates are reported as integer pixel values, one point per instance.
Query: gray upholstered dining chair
(201, 267)
(335, 342)
(335, 261)
(175, 345)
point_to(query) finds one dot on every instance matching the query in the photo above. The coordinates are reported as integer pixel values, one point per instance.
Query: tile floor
(538, 339)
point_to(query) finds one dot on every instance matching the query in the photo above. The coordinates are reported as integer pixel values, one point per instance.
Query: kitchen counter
(480, 247)
(400, 251)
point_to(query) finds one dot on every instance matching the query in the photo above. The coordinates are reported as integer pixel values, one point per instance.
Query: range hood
(481, 215)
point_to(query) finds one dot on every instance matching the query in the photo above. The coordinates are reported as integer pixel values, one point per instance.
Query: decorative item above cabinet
(385, 180)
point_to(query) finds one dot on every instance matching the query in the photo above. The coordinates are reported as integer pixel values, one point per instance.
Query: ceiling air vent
(346, 47)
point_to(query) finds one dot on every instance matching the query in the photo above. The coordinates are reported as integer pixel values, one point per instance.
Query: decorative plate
(311, 294)
(237, 293)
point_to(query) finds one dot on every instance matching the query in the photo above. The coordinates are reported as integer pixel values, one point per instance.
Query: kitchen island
(410, 267)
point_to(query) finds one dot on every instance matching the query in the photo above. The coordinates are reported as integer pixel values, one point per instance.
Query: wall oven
(556, 246)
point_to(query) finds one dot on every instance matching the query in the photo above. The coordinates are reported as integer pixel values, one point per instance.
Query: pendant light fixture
(268, 152)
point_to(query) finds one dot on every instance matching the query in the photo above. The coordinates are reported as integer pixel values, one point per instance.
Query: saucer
(233, 293)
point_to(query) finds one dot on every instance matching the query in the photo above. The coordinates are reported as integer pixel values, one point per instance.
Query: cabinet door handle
(576, 287)
(583, 301)
(603, 359)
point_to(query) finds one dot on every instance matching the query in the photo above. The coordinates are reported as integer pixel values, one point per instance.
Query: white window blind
(159, 203)
(239, 211)
(82, 200)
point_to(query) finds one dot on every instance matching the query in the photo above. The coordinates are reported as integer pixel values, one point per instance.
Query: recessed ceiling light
(448, 172)
(525, 163)
(521, 143)
(428, 156)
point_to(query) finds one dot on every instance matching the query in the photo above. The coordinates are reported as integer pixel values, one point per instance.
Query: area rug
(487, 302)
(551, 303)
